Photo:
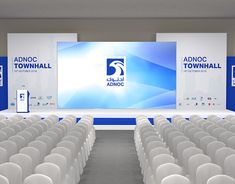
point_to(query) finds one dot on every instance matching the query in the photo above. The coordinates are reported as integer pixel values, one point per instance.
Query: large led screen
(116, 75)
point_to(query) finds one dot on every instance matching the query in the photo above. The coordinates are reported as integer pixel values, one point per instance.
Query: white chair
(205, 141)
(3, 136)
(180, 148)
(41, 146)
(38, 179)
(198, 136)
(9, 131)
(3, 155)
(53, 135)
(206, 171)
(19, 140)
(48, 141)
(27, 135)
(73, 175)
(12, 172)
(156, 162)
(25, 162)
(231, 142)
(3, 180)
(218, 131)
(72, 147)
(221, 154)
(165, 170)
(187, 153)
(33, 153)
(2, 124)
(51, 170)
(229, 166)
(61, 162)
(177, 140)
(35, 133)
(194, 162)
(175, 179)
(9, 146)
(221, 179)
(232, 129)
(16, 127)
(225, 136)
(213, 147)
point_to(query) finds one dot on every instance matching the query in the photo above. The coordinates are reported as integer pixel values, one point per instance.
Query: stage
(119, 119)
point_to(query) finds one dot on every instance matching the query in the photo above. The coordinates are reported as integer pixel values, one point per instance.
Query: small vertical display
(233, 76)
(1, 75)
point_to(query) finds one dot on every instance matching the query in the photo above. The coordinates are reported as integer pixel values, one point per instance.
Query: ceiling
(117, 8)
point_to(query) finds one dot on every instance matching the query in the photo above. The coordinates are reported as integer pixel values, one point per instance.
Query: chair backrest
(231, 142)
(3, 155)
(25, 162)
(222, 153)
(3, 136)
(221, 179)
(9, 131)
(229, 166)
(198, 136)
(51, 170)
(69, 145)
(206, 171)
(27, 135)
(194, 162)
(213, 147)
(12, 172)
(232, 129)
(161, 159)
(218, 131)
(3, 180)
(33, 153)
(53, 135)
(16, 127)
(41, 146)
(205, 141)
(19, 140)
(177, 140)
(38, 179)
(175, 179)
(225, 136)
(10, 146)
(165, 170)
(58, 160)
(187, 153)
(157, 151)
(181, 147)
(47, 140)
(65, 152)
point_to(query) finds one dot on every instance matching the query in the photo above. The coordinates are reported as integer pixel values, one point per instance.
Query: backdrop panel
(116, 75)
(231, 83)
(201, 69)
(3, 83)
(32, 63)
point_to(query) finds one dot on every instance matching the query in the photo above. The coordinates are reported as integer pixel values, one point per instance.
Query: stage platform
(119, 119)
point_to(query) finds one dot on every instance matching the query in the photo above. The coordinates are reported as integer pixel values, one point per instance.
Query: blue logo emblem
(22, 95)
(116, 68)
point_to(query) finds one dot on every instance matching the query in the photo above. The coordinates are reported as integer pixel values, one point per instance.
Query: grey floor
(113, 159)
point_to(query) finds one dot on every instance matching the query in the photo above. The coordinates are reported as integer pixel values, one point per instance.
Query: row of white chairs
(46, 151)
(182, 146)
(211, 139)
(157, 164)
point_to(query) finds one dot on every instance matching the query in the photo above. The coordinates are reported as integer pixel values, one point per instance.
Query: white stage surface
(119, 113)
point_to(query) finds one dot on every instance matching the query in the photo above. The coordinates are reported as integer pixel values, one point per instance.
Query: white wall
(94, 29)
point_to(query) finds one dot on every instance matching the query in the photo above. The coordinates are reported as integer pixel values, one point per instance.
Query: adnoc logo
(116, 71)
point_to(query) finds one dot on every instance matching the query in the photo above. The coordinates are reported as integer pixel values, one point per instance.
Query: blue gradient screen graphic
(116, 75)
